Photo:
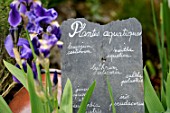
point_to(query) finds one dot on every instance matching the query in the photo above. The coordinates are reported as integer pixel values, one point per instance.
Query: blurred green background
(100, 11)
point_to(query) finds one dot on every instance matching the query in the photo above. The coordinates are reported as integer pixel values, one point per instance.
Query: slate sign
(94, 52)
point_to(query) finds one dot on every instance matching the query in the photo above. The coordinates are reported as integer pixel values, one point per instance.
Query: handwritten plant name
(122, 52)
(79, 29)
(124, 100)
(79, 49)
(135, 77)
(103, 69)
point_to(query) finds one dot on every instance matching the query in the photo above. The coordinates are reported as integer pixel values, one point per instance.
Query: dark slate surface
(94, 52)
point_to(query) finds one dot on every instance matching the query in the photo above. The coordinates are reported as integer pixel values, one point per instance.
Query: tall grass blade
(168, 91)
(164, 59)
(166, 14)
(4, 108)
(36, 103)
(18, 73)
(156, 29)
(86, 98)
(163, 96)
(163, 50)
(151, 99)
(111, 95)
(66, 102)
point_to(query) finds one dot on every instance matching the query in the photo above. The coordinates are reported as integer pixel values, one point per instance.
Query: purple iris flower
(24, 64)
(23, 43)
(22, 9)
(26, 52)
(54, 30)
(45, 15)
(9, 46)
(50, 39)
(34, 69)
(15, 33)
(38, 21)
(28, 5)
(33, 28)
(36, 44)
(45, 51)
(14, 15)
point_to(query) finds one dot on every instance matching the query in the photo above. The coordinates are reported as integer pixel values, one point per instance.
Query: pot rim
(52, 70)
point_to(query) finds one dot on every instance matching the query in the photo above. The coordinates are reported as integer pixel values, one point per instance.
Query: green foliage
(168, 92)
(3, 106)
(4, 26)
(53, 3)
(136, 8)
(66, 102)
(94, 6)
(86, 98)
(5, 78)
(19, 74)
(152, 101)
(36, 102)
(111, 95)
(151, 68)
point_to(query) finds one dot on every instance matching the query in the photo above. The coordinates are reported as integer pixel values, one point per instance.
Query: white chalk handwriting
(79, 49)
(135, 77)
(79, 29)
(103, 69)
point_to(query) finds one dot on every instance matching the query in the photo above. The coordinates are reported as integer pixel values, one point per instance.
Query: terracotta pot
(21, 101)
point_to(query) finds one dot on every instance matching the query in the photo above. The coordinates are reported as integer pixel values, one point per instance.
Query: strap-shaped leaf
(168, 91)
(151, 99)
(4, 108)
(36, 103)
(86, 98)
(66, 102)
(111, 95)
(166, 18)
(18, 73)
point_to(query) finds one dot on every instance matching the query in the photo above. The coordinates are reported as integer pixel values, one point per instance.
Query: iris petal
(22, 9)
(46, 52)
(9, 46)
(14, 16)
(34, 69)
(43, 20)
(42, 12)
(34, 28)
(55, 78)
(15, 79)
(26, 52)
(36, 45)
(57, 32)
(51, 39)
(23, 41)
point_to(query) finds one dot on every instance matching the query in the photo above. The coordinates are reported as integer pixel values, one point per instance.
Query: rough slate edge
(132, 19)
(140, 67)
(113, 22)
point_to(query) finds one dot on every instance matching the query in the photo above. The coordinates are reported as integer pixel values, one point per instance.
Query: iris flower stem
(35, 57)
(39, 73)
(48, 82)
(18, 59)
(49, 88)
(32, 48)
